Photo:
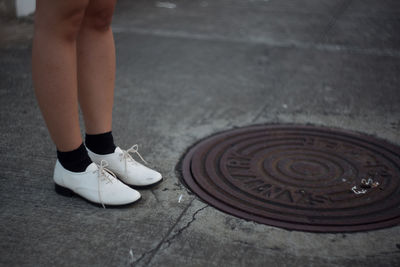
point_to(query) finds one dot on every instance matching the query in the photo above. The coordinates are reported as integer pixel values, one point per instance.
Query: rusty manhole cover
(298, 177)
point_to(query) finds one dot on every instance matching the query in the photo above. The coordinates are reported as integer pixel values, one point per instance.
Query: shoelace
(127, 156)
(102, 175)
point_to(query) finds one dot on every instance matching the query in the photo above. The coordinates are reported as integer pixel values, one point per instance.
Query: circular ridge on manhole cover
(298, 177)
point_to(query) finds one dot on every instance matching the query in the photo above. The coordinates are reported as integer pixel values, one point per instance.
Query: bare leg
(54, 70)
(96, 66)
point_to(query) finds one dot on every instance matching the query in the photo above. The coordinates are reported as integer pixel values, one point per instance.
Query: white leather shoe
(126, 168)
(95, 184)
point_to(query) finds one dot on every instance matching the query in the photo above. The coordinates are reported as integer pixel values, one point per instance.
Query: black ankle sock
(100, 143)
(76, 160)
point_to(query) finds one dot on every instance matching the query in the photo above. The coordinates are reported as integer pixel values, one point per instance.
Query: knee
(72, 21)
(63, 19)
(99, 16)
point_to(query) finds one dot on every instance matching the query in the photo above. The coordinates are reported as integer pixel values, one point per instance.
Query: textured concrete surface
(187, 69)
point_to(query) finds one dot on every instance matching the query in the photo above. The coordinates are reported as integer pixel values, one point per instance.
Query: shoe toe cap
(142, 176)
(121, 195)
(150, 177)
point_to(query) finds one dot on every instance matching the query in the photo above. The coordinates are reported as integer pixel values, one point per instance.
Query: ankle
(76, 160)
(100, 143)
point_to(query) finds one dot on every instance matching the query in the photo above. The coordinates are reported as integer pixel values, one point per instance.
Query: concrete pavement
(185, 70)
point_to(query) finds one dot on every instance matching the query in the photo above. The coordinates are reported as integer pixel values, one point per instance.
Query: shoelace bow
(102, 175)
(127, 156)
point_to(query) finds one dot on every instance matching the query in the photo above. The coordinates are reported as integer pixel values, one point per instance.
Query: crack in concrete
(153, 251)
(169, 240)
(155, 196)
(340, 11)
(141, 257)
(245, 243)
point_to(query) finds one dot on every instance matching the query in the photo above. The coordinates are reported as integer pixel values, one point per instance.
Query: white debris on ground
(131, 259)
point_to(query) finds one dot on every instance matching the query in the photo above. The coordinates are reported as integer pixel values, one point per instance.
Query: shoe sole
(61, 190)
(142, 187)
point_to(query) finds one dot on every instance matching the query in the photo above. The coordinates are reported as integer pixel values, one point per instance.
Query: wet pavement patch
(298, 177)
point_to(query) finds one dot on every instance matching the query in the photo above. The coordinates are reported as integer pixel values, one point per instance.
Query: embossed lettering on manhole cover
(298, 177)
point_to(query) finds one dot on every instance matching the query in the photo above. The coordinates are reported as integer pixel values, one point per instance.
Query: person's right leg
(54, 69)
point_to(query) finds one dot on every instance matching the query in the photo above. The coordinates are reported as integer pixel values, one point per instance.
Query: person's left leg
(96, 77)
(96, 66)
